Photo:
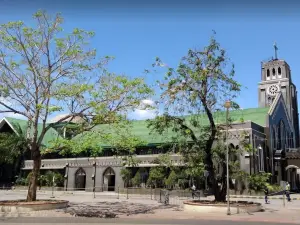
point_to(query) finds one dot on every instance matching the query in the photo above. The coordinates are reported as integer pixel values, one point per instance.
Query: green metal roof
(256, 115)
(140, 130)
(51, 134)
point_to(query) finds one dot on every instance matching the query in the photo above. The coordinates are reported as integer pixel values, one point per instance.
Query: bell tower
(276, 77)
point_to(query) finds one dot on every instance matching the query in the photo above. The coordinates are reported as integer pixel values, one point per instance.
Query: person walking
(193, 191)
(287, 191)
(266, 195)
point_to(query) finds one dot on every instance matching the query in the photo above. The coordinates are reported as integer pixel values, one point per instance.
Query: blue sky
(136, 35)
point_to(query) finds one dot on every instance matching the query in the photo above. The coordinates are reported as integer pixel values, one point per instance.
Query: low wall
(42, 188)
(235, 208)
(246, 192)
(22, 206)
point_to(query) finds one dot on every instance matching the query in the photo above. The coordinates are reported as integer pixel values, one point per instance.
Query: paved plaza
(83, 221)
(142, 208)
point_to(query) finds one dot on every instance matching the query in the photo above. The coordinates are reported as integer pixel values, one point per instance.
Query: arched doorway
(109, 180)
(293, 176)
(80, 179)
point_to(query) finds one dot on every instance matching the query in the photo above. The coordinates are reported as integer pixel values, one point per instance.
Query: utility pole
(227, 106)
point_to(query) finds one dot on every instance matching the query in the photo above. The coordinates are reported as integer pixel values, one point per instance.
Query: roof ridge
(50, 134)
(216, 112)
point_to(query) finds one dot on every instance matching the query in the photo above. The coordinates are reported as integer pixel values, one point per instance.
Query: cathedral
(277, 91)
(272, 128)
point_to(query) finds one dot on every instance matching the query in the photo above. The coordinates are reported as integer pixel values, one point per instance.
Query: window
(268, 74)
(273, 72)
(274, 138)
(282, 134)
(279, 137)
(287, 143)
(279, 71)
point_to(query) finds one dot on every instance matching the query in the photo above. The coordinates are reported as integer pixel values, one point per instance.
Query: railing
(164, 196)
(5, 186)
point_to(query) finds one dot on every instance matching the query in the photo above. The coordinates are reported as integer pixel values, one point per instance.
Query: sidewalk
(272, 216)
(293, 197)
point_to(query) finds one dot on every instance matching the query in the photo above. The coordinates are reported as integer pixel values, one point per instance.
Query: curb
(260, 197)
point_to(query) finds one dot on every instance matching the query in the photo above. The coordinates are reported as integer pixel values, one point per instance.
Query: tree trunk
(36, 157)
(220, 193)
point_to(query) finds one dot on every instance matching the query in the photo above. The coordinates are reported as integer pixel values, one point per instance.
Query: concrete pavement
(293, 197)
(61, 221)
(276, 212)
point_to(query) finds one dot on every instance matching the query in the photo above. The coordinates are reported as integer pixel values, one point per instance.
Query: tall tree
(46, 71)
(191, 94)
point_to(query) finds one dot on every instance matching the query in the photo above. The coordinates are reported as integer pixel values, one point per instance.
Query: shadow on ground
(112, 209)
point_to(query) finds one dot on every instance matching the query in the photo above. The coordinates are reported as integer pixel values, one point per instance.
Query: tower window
(279, 71)
(273, 72)
(268, 73)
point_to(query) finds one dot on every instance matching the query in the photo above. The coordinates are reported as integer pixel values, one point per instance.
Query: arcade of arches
(108, 180)
(80, 179)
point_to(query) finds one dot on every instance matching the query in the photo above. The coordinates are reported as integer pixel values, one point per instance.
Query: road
(62, 221)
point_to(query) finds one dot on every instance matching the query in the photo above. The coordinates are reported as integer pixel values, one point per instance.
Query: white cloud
(140, 114)
(148, 102)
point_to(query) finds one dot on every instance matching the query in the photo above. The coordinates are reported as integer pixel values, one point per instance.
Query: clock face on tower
(273, 89)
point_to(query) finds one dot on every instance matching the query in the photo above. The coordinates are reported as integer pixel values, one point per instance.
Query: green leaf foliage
(45, 70)
(47, 179)
(258, 182)
(156, 176)
(12, 146)
(126, 175)
(172, 179)
(190, 93)
(137, 179)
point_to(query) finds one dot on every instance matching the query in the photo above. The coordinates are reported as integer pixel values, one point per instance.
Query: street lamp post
(227, 106)
(94, 177)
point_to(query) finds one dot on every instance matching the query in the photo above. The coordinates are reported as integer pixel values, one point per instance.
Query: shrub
(47, 179)
(21, 181)
(156, 176)
(171, 180)
(257, 182)
(126, 175)
(137, 180)
(274, 188)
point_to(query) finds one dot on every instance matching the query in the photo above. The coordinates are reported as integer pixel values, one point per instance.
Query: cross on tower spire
(276, 49)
